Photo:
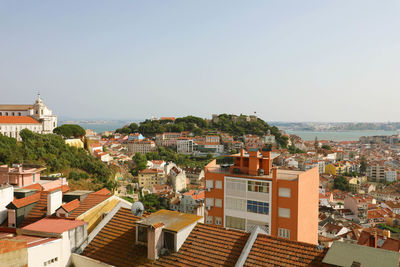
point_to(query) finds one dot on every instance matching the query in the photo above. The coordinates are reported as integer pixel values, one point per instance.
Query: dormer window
(169, 241)
(142, 234)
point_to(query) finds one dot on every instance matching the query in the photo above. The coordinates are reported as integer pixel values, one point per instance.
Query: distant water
(102, 127)
(338, 136)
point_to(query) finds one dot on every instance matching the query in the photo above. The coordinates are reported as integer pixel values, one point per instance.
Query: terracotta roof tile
(38, 211)
(207, 245)
(103, 192)
(34, 186)
(22, 202)
(272, 251)
(89, 202)
(70, 206)
(115, 243)
(17, 120)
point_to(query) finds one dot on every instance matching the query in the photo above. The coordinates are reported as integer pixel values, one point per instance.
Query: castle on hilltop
(37, 117)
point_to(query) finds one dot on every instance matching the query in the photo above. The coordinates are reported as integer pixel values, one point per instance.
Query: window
(209, 219)
(169, 240)
(284, 192)
(262, 187)
(218, 184)
(218, 220)
(257, 207)
(142, 234)
(285, 213)
(284, 233)
(235, 222)
(218, 202)
(209, 201)
(209, 183)
(236, 204)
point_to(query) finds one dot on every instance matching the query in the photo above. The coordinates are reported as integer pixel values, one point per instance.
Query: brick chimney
(266, 162)
(155, 240)
(373, 239)
(54, 201)
(253, 161)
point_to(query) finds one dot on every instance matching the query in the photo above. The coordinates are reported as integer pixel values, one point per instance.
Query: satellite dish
(137, 208)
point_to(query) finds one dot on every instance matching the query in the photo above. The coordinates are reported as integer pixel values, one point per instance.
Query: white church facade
(37, 117)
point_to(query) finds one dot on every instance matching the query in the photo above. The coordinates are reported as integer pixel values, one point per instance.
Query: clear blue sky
(286, 60)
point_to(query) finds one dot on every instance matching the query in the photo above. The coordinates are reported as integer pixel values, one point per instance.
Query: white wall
(82, 261)
(40, 254)
(6, 196)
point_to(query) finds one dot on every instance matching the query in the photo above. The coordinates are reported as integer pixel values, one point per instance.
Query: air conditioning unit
(208, 207)
(208, 189)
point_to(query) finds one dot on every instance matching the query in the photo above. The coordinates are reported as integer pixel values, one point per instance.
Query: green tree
(70, 130)
(140, 163)
(326, 147)
(363, 165)
(341, 183)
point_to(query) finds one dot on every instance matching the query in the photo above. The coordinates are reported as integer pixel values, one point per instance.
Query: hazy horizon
(289, 61)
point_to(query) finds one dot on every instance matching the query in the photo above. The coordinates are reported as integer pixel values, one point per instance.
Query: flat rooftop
(283, 174)
(172, 220)
(78, 193)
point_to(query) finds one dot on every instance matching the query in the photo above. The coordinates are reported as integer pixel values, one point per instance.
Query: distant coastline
(351, 135)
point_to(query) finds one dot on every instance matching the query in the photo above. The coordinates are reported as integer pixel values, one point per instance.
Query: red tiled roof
(38, 211)
(22, 202)
(34, 186)
(70, 206)
(207, 245)
(150, 171)
(7, 245)
(53, 225)
(115, 243)
(274, 251)
(17, 120)
(89, 202)
(103, 192)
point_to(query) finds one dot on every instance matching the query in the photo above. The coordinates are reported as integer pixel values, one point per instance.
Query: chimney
(155, 240)
(373, 239)
(266, 162)
(54, 201)
(253, 161)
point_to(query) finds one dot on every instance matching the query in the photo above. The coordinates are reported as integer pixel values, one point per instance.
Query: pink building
(19, 176)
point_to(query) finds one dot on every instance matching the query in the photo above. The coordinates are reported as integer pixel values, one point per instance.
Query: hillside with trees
(70, 131)
(232, 124)
(51, 151)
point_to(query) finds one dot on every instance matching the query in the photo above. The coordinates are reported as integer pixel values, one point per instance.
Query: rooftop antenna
(137, 208)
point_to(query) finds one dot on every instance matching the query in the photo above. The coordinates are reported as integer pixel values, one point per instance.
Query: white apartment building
(140, 146)
(185, 145)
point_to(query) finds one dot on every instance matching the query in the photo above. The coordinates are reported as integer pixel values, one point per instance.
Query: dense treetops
(70, 130)
(232, 124)
(50, 150)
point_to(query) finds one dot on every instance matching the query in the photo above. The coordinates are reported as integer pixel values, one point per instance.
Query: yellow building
(334, 169)
(75, 143)
(150, 177)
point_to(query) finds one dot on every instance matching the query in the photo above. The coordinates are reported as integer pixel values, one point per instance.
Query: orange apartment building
(252, 192)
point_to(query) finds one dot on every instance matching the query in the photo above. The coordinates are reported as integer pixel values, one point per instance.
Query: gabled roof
(275, 251)
(22, 202)
(115, 243)
(89, 202)
(70, 206)
(103, 192)
(38, 211)
(17, 120)
(207, 245)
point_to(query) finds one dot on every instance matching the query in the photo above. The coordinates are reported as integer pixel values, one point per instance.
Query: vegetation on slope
(51, 151)
(234, 125)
